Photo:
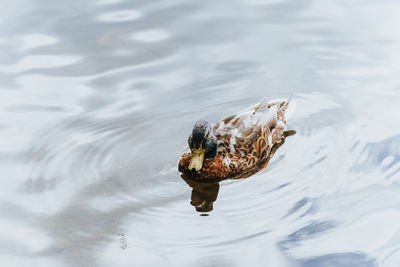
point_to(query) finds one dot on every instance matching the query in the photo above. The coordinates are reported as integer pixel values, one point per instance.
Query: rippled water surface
(97, 99)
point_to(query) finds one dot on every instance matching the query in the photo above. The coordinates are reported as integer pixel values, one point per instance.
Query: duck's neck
(212, 153)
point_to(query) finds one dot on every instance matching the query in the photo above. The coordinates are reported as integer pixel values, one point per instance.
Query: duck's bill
(197, 159)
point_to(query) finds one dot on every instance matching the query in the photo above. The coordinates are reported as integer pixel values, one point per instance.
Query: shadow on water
(204, 194)
(340, 259)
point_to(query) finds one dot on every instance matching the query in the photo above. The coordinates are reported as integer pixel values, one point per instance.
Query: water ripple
(150, 36)
(39, 62)
(119, 16)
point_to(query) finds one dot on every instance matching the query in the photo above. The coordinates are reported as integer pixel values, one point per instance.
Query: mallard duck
(237, 146)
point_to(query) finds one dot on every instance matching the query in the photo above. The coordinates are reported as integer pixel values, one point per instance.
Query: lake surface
(97, 99)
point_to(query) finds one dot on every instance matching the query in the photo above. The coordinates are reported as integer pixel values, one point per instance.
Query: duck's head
(203, 144)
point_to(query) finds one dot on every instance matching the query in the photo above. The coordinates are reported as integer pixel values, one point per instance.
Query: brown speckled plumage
(244, 143)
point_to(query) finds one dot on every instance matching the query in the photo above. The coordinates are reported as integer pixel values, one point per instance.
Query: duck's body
(244, 143)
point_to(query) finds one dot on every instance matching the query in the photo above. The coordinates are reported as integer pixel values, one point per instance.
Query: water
(97, 99)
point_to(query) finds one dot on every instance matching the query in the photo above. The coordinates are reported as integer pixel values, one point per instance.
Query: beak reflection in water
(203, 194)
(197, 159)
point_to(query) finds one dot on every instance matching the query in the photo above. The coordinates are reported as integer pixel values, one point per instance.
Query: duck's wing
(261, 125)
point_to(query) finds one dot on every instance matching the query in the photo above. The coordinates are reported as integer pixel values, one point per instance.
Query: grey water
(97, 99)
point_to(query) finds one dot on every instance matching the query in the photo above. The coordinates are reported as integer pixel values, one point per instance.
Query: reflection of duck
(237, 146)
(204, 194)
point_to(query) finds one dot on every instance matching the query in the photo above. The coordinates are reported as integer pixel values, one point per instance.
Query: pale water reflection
(97, 99)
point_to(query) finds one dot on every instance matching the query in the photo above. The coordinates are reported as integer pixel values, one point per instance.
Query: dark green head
(203, 144)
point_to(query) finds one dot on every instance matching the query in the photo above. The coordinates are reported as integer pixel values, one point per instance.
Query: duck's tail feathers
(285, 108)
(291, 107)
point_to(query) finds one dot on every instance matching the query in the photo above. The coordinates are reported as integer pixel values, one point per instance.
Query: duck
(237, 146)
